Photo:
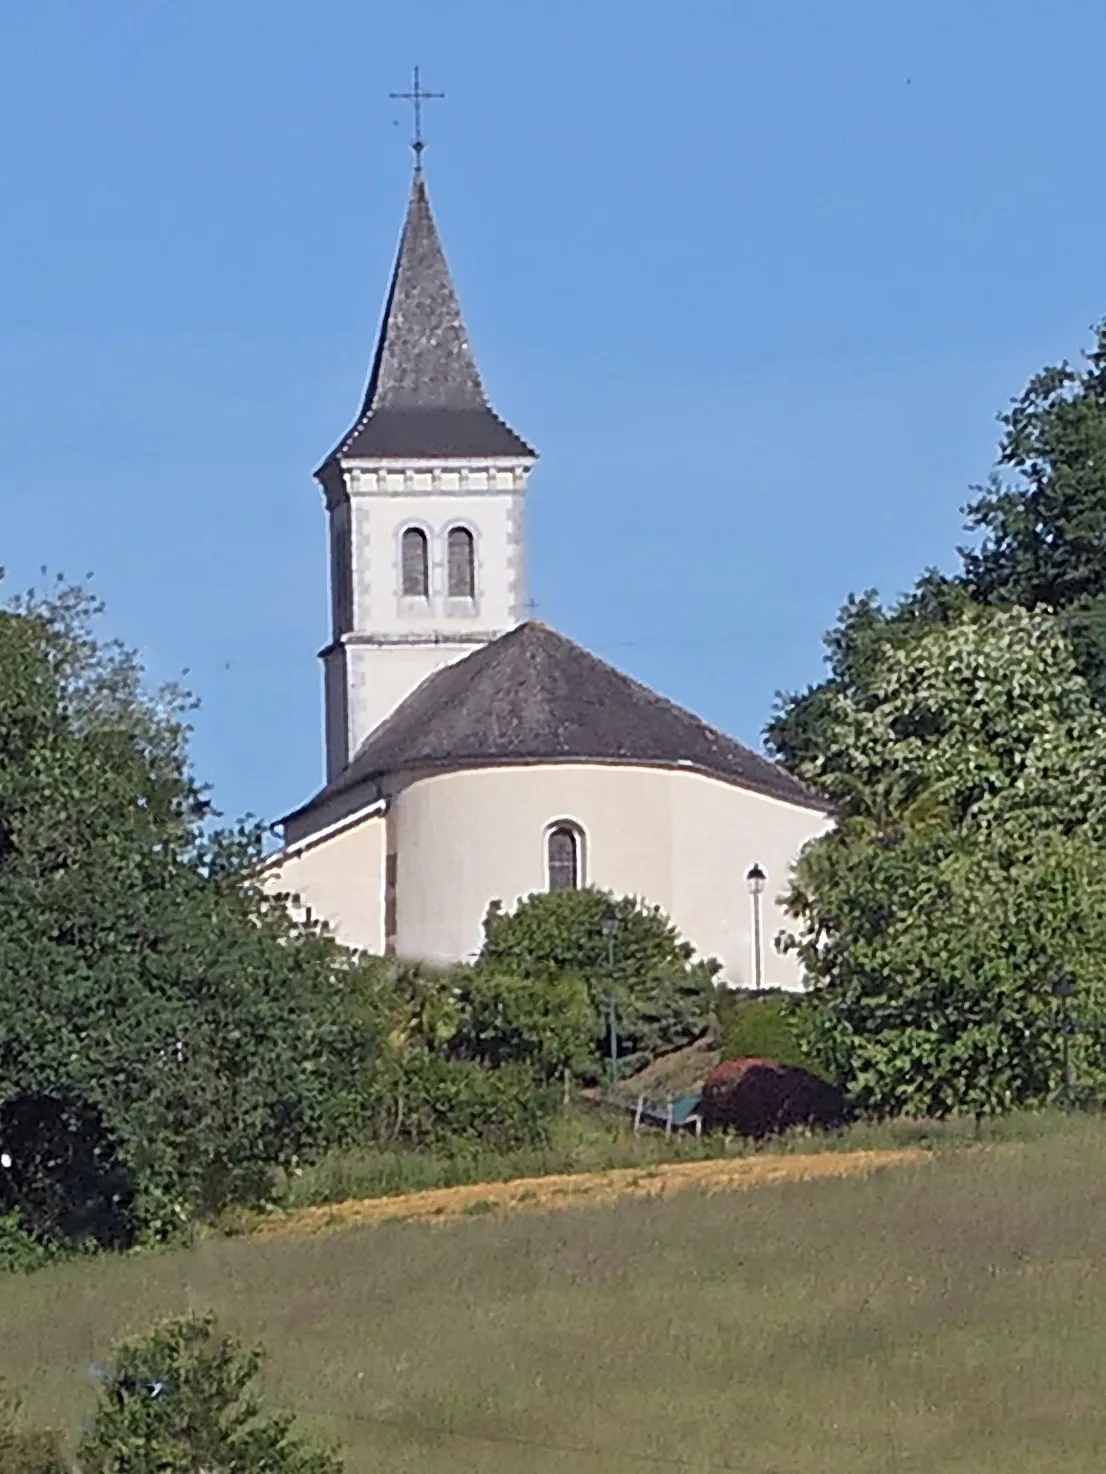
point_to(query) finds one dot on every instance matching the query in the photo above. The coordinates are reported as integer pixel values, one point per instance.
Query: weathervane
(417, 97)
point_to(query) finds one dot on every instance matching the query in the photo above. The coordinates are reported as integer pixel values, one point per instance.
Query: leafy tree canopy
(1044, 529)
(1041, 525)
(966, 874)
(140, 970)
(960, 734)
(933, 965)
(985, 722)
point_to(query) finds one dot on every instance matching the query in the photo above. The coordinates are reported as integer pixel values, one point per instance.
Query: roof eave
(810, 801)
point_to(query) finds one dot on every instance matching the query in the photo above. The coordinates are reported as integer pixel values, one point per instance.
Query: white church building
(472, 754)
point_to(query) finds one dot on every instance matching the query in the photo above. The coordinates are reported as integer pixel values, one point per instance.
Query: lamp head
(610, 923)
(756, 880)
(1064, 986)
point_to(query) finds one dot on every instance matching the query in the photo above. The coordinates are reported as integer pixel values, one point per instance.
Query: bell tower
(425, 500)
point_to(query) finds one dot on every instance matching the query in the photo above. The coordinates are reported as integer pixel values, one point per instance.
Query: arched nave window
(563, 858)
(416, 564)
(462, 564)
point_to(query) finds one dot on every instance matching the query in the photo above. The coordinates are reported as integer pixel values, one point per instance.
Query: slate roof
(532, 696)
(425, 398)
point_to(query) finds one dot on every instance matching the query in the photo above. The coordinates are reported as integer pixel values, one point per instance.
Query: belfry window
(416, 564)
(462, 564)
(563, 858)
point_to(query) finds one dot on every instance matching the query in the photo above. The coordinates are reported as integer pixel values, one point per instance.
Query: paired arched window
(563, 857)
(461, 564)
(415, 557)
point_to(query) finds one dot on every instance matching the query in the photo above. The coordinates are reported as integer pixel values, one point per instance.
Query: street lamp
(756, 880)
(609, 927)
(1063, 989)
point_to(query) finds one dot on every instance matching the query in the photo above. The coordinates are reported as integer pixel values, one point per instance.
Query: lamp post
(1063, 989)
(609, 926)
(756, 880)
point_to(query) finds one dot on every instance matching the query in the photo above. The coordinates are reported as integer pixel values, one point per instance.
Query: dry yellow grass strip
(541, 1194)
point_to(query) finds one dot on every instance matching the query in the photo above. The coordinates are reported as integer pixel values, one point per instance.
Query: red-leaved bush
(759, 1097)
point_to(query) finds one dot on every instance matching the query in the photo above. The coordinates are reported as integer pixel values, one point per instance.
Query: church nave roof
(532, 696)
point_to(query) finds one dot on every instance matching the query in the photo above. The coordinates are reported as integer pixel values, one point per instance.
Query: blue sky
(755, 278)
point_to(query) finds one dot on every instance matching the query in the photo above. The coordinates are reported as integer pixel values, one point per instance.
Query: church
(473, 754)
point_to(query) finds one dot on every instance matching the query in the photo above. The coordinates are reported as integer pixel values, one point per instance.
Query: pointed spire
(423, 358)
(424, 397)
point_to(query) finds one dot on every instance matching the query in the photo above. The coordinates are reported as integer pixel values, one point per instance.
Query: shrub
(440, 1102)
(181, 1399)
(662, 993)
(546, 1024)
(20, 1250)
(760, 1097)
(759, 1027)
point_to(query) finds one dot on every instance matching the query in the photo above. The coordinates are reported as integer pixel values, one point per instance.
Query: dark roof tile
(425, 398)
(532, 696)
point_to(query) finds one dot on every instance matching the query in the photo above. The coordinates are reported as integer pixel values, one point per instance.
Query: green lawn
(949, 1317)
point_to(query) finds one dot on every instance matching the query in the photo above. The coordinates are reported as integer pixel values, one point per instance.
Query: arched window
(462, 564)
(563, 858)
(416, 564)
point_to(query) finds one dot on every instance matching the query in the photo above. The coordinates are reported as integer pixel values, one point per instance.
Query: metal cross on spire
(417, 97)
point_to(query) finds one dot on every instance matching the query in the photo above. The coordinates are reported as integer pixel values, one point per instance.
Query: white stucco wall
(490, 509)
(379, 677)
(681, 840)
(340, 876)
(391, 642)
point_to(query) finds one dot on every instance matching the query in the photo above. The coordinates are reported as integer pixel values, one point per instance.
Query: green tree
(1041, 528)
(932, 965)
(985, 723)
(663, 995)
(182, 1399)
(967, 871)
(865, 629)
(143, 975)
(1044, 530)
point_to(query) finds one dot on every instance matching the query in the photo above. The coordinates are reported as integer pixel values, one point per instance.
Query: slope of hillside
(947, 1316)
(582, 1189)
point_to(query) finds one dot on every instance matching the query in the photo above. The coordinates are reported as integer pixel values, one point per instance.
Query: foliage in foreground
(182, 1399)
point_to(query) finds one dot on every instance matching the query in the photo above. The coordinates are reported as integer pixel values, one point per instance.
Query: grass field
(582, 1189)
(593, 1140)
(947, 1316)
